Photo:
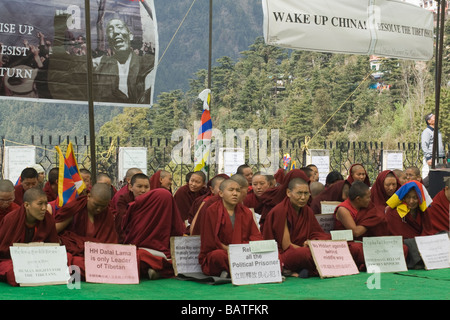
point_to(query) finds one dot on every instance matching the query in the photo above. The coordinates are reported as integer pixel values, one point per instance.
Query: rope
(308, 140)
(173, 37)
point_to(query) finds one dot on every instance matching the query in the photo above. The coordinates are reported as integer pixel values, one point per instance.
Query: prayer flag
(286, 160)
(203, 141)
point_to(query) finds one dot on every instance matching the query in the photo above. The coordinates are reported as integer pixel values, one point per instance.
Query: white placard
(16, 159)
(184, 252)
(230, 159)
(328, 206)
(132, 157)
(434, 250)
(252, 268)
(321, 159)
(346, 235)
(379, 27)
(39, 264)
(385, 252)
(392, 160)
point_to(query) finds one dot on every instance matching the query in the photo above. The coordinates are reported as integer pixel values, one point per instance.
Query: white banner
(379, 27)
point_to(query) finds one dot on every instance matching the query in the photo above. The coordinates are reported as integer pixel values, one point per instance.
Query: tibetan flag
(203, 140)
(70, 184)
(286, 160)
(396, 201)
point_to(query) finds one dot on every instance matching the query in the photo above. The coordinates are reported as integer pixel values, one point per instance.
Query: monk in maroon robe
(51, 186)
(7, 195)
(28, 179)
(338, 191)
(291, 224)
(87, 218)
(30, 223)
(260, 183)
(383, 188)
(439, 210)
(129, 174)
(226, 222)
(273, 196)
(149, 223)
(212, 190)
(186, 194)
(161, 179)
(358, 172)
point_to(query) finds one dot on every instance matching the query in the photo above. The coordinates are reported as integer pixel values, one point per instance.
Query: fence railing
(159, 155)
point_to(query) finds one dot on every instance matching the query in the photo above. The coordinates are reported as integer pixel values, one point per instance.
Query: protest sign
(332, 258)
(184, 252)
(434, 250)
(37, 264)
(111, 263)
(385, 252)
(326, 221)
(247, 267)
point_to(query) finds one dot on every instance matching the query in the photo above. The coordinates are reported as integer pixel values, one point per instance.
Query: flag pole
(90, 91)
(210, 69)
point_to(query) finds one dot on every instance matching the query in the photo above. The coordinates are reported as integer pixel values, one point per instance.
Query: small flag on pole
(203, 140)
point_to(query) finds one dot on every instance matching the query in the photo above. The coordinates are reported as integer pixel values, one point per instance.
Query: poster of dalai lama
(44, 51)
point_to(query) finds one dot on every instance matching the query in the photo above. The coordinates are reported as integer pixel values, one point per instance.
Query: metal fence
(159, 155)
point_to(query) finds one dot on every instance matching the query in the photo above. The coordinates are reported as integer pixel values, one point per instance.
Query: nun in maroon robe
(302, 226)
(274, 196)
(197, 222)
(218, 230)
(350, 177)
(149, 223)
(81, 229)
(439, 212)
(378, 193)
(14, 229)
(332, 193)
(184, 199)
(4, 211)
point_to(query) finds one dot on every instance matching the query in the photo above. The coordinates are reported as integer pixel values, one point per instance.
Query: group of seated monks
(224, 210)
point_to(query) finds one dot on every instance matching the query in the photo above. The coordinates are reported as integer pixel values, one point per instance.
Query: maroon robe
(81, 230)
(184, 198)
(350, 178)
(18, 194)
(117, 195)
(217, 230)
(3, 212)
(408, 227)
(121, 209)
(302, 226)
(196, 230)
(51, 195)
(439, 212)
(252, 201)
(378, 193)
(13, 229)
(273, 196)
(331, 193)
(149, 223)
(370, 218)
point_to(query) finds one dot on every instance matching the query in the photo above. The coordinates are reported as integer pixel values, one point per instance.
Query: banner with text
(44, 51)
(379, 27)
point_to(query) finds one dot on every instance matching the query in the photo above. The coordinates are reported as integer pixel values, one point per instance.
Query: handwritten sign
(332, 258)
(326, 221)
(385, 252)
(328, 206)
(111, 263)
(184, 252)
(37, 264)
(346, 235)
(247, 267)
(434, 250)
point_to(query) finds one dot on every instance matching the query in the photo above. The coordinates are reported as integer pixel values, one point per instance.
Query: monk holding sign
(292, 223)
(226, 222)
(30, 223)
(88, 218)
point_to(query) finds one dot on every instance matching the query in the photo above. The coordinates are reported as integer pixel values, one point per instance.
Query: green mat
(410, 285)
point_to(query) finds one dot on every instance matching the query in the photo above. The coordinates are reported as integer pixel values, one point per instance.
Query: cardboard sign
(385, 252)
(111, 263)
(326, 221)
(37, 264)
(435, 251)
(328, 206)
(184, 252)
(332, 258)
(247, 267)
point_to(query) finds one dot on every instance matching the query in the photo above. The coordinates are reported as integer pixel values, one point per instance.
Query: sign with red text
(111, 263)
(380, 27)
(43, 46)
(332, 258)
